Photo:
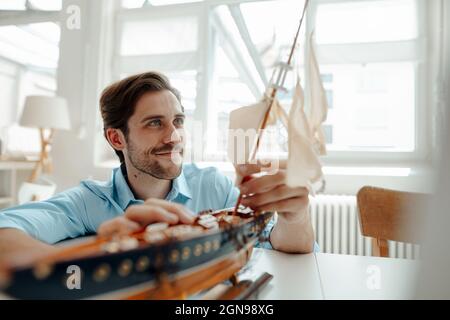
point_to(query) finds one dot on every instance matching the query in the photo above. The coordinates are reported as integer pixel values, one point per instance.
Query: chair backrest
(390, 215)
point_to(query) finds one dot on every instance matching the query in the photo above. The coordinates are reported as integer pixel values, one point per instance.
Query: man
(144, 123)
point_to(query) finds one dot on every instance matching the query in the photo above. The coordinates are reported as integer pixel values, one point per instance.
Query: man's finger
(295, 205)
(263, 184)
(118, 226)
(183, 213)
(146, 214)
(277, 194)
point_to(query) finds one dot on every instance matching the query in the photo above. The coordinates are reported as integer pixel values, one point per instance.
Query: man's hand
(137, 217)
(293, 231)
(270, 192)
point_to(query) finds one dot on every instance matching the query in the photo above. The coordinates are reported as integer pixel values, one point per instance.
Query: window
(371, 50)
(244, 65)
(221, 56)
(166, 35)
(366, 21)
(373, 106)
(231, 92)
(29, 56)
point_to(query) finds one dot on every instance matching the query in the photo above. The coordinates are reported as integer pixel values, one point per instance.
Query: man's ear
(116, 138)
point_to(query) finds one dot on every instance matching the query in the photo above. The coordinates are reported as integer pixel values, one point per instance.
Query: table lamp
(47, 114)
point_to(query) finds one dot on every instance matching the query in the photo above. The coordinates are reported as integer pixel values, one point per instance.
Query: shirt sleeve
(61, 217)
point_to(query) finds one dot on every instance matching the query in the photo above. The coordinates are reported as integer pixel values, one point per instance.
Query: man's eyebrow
(156, 116)
(153, 117)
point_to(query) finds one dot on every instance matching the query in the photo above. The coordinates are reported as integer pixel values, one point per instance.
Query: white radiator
(336, 225)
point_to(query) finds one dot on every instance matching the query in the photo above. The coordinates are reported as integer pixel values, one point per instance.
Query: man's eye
(179, 121)
(154, 123)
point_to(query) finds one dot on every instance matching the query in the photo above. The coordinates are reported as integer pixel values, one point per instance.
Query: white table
(357, 277)
(294, 276)
(327, 276)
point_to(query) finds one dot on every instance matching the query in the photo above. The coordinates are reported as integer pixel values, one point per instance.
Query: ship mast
(276, 86)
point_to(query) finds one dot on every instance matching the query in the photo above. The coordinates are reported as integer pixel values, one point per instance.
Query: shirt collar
(180, 189)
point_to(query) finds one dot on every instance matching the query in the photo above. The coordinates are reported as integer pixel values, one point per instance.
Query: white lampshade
(46, 113)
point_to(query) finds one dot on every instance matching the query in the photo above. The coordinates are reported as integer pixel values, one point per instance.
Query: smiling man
(144, 123)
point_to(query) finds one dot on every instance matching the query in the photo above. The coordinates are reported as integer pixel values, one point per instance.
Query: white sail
(303, 167)
(318, 104)
(244, 125)
(243, 130)
(306, 136)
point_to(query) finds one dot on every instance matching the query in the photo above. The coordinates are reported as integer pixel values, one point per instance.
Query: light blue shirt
(81, 210)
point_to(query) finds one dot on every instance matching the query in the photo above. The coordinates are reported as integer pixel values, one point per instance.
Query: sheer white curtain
(434, 280)
(446, 54)
(444, 67)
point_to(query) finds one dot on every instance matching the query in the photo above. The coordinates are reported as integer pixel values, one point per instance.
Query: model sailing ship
(170, 262)
(160, 262)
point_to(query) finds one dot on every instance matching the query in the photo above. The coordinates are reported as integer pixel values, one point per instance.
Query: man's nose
(174, 135)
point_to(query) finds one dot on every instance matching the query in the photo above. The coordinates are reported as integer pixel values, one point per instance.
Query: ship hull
(168, 271)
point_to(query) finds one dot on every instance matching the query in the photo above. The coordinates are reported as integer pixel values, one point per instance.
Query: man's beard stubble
(142, 161)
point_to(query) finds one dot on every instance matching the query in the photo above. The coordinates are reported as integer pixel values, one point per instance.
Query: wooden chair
(390, 215)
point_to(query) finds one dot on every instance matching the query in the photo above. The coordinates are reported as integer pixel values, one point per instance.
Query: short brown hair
(118, 101)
